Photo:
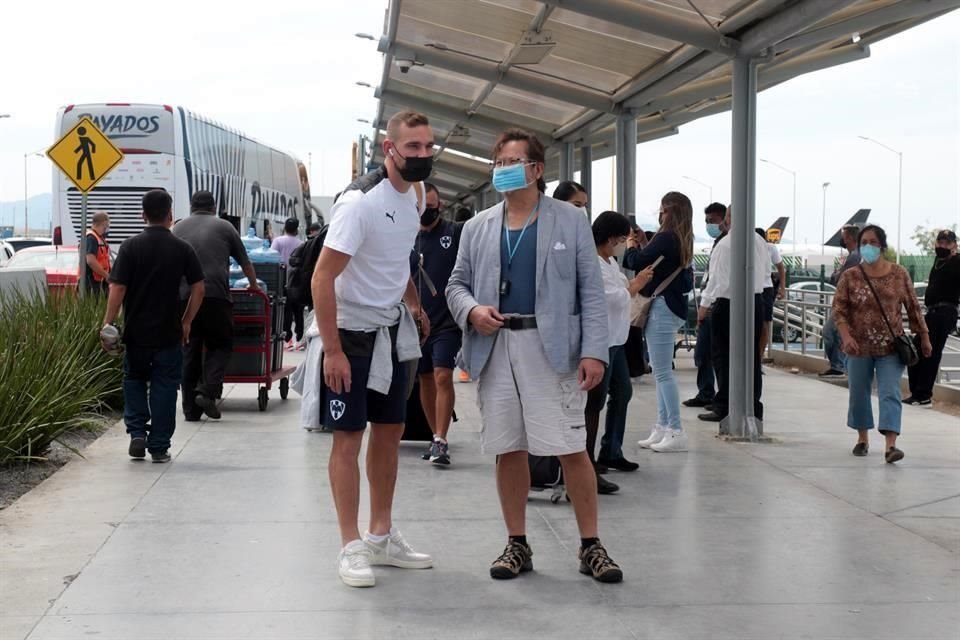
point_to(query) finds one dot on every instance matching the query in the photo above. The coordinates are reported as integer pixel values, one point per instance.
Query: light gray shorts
(524, 404)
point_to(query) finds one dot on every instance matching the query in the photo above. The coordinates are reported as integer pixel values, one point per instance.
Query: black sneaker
(209, 406)
(916, 402)
(893, 455)
(832, 373)
(605, 487)
(697, 402)
(160, 457)
(138, 448)
(620, 464)
(516, 558)
(426, 454)
(439, 452)
(711, 417)
(860, 449)
(192, 417)
(595, 562)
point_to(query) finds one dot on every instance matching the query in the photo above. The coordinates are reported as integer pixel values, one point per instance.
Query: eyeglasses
(509, 162)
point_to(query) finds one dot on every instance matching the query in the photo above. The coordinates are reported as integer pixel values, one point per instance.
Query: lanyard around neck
(512, 250)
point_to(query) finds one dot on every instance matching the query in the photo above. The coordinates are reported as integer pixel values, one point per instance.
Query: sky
(288, 78)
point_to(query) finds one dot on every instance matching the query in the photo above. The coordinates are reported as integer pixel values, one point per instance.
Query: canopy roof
(566, 69)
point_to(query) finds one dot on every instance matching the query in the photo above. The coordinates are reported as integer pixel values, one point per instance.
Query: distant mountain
(38, 214)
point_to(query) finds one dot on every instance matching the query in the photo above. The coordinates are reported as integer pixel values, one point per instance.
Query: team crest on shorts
(337, 407)
(446, 241)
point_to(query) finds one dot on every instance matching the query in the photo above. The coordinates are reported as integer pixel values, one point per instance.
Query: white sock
(377, 539)
(439, 439)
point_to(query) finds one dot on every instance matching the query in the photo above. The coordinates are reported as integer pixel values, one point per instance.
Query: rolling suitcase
(547, 474)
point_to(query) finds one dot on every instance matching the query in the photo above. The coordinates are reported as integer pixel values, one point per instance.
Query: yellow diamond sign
(85, 155)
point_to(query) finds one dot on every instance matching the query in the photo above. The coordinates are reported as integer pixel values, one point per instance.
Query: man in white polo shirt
(367, 316)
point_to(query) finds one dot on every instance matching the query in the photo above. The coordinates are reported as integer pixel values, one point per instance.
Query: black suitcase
(546, 473)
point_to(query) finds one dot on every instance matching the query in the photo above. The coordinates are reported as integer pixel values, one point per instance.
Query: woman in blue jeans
(672, 279)
(610, 230)
(867, 309)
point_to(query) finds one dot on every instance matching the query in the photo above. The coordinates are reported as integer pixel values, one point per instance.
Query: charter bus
(175, 149)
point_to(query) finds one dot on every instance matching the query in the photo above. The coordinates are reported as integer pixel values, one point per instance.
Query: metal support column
(741, 421)
(626, 149)
(586, 168)
(566, 161)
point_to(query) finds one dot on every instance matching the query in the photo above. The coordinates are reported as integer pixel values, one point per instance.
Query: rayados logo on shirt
(446, 241)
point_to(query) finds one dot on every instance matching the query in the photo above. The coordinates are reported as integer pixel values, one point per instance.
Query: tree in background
(926, 238)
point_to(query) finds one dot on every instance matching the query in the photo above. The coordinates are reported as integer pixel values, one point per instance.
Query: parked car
(18, 242)
(60, 263)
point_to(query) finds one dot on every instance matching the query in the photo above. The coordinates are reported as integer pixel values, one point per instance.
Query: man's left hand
(423, 324)
(185, 331)
(781, 293)
(590, 373)
(926, 346)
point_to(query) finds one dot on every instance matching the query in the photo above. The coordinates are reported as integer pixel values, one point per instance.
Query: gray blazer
(571, 309)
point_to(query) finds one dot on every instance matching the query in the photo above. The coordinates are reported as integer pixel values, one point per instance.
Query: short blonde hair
(405, 118)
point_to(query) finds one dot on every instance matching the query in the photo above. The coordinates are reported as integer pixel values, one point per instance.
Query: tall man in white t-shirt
(368, 315)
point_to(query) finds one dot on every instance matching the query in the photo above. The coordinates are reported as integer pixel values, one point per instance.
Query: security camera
(404, 64)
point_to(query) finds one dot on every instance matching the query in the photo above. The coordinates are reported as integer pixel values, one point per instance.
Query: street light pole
(794, 174)
(26, 224)
(823, 222)
(899, 190)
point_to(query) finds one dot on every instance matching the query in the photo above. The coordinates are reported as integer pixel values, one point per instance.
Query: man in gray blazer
(528, 295)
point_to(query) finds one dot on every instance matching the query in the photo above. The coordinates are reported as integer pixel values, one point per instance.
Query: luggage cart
(258, 344)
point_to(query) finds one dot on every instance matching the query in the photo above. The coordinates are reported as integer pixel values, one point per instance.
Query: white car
(6, 252)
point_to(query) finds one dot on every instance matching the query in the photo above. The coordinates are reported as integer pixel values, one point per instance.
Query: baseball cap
(947, 235)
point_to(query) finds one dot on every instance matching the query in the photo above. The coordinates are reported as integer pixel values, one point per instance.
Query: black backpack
(300, 268)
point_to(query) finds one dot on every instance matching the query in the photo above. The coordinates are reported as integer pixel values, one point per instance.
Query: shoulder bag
(906, 349)
(640, 305)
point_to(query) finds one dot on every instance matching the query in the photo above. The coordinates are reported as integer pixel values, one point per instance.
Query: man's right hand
(485, 319)
(702, 314)
(336, 371)
(253, 285)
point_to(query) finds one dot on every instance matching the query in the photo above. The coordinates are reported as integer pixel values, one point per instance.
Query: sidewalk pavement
(237, 539)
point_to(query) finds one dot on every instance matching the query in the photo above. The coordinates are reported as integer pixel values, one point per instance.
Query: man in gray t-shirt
(208, 352)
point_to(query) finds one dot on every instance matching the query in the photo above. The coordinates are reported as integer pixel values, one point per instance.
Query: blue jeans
(620, 390)
(831, 346)
(703, 358)
(860, 373)
(661, 333)
(151, 378)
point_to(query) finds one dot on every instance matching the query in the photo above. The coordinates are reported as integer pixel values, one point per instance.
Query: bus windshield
(134, 129)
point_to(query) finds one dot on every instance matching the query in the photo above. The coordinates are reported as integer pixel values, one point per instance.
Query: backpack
(300, 268)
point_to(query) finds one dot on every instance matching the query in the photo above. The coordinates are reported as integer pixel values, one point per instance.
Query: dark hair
(567, 189)
(202, 201)
(314, 227)
(157, 205)
(610, 224)
(715, 208)
(428, 187)
(535, 150)
(463, 214)
(291, 226)
(878, 231)
(761, 232)
(649, 235)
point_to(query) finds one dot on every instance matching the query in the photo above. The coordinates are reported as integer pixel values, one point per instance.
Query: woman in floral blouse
(867, 340)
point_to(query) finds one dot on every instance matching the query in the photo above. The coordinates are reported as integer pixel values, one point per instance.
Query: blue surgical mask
(870, 253)
(713, 230)
(510, 178)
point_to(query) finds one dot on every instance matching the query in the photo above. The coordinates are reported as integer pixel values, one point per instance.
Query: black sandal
(861, 449)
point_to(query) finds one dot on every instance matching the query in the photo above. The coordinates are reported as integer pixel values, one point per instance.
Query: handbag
(640, 305)
(904, 345)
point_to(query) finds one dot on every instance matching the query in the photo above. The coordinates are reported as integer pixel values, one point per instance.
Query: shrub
(53, 374)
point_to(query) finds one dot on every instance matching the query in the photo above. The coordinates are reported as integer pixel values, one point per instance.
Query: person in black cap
(216, 241)
(942, 301)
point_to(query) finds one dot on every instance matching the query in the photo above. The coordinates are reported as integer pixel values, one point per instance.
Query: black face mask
(415, 169)
(942, 252)
(429, 216)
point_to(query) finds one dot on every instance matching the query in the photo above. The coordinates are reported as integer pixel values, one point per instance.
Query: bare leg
(890, 437)
(443, 380)
(428, 400)
(581, 484)
(764, 339)
(345, 482)
(382, 459)
(863, 435)
(513, 485)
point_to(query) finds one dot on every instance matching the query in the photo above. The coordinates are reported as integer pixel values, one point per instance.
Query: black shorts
(769, 297)
(351, 411)
(440, 352)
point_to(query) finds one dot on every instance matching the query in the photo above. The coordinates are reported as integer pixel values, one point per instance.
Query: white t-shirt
(377, 229)
(618, 301)
(775, 259)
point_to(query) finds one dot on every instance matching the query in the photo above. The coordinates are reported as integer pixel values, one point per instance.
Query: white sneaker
(655, 436)
(672, 441)
(396, 552)
(354, 563)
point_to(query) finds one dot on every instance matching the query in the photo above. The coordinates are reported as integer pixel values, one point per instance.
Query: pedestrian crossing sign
(85, 155)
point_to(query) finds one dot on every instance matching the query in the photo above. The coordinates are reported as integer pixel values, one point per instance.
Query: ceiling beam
(802, 15)
(649, 19)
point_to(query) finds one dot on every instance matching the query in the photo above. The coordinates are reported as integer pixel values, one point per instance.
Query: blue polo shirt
(521, 271)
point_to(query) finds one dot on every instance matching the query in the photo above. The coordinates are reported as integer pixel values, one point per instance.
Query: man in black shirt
(432, 262)
(146, 281)
(942, 301)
